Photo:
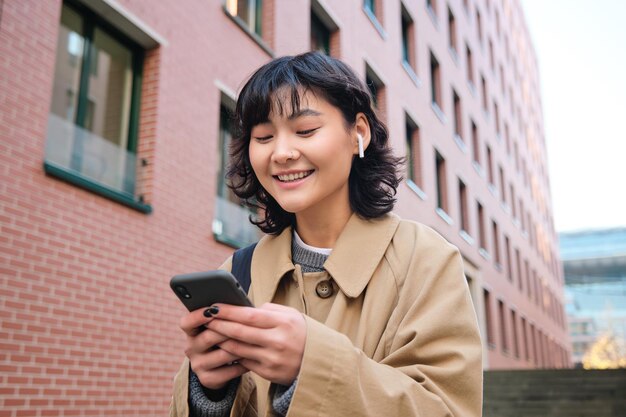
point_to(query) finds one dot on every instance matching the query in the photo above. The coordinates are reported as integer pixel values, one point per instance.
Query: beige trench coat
(398, 337)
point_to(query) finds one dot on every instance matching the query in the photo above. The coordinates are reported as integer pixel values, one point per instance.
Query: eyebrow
(304, 112)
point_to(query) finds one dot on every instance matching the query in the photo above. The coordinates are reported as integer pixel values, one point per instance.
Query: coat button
(324, 289)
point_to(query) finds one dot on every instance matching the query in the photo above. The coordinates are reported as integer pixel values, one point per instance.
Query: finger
(255, 317)
(243, 350)
(218, 378)
(212, 360)
(190, 322)
(241, 332)
(274, 307)
(273, 375)
(204, 340)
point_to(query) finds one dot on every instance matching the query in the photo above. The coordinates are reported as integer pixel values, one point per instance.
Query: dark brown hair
(373, 179)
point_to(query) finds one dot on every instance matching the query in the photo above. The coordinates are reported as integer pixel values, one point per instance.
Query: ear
(361, 127)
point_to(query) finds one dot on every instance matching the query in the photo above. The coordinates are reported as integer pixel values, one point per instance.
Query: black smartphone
(203, 289)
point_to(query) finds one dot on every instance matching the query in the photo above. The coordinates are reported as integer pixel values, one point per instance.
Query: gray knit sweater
(201, 406)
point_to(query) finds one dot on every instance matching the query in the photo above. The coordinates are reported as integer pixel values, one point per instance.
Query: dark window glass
(320, 35)
(93, 121)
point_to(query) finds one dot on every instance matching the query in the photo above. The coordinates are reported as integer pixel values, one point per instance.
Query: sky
(581, 49)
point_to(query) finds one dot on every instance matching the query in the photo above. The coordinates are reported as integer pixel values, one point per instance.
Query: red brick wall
(87, 322)
(88, 325)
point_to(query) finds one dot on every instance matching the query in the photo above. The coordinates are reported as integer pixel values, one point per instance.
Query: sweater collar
(357, 252)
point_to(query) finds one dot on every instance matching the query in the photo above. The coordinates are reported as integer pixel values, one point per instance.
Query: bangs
(283, 100)
(278, 87)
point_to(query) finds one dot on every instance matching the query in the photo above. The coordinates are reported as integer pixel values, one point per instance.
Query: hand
(269, 339)
(211, 364)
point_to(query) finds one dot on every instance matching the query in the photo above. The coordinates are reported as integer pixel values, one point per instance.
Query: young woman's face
(303, 160)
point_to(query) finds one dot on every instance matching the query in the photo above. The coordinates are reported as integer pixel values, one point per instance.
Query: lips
(293, 176)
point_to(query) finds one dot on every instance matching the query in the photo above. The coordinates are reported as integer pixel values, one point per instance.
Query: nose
(284, 150)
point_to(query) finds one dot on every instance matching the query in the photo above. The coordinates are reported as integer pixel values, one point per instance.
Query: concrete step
(555, 393)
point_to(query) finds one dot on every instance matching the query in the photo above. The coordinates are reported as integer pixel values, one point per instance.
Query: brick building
(114, 120)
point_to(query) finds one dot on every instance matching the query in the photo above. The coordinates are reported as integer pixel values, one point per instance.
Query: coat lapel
(270, 262)
(359, 250)
(357, 253)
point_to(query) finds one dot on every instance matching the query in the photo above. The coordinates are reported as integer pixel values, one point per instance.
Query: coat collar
(357, 252)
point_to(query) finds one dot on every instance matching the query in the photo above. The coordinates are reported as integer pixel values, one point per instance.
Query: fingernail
(213, 310)
(207, 313)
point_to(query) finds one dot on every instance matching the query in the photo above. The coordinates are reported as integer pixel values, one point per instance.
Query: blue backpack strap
(242, 262)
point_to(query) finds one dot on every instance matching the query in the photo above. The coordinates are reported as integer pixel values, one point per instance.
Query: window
(496, 244)
(492, 60)
(496, 112)
(458, 117)
(435, 82)
(320, 35)
(490, 174)
(503, 336)
(528, 283)
(231, 224)
(512, 196)
(502, 185)
(514, 332)
(518, 264)
(507, 139)
(94, 117)
(483, 84)
(408, 41)
(488, 318)
(497, 23)
(536, 287)
(475, 144)
(470, 65)
(413, 148)
(521, 215)
(482, 233)
(442, 197)
(377, 89)
(463, 209)
(247, 12)
(507, 256)
(502, 80)
(479, 26)
(525, 339)
(452, 33)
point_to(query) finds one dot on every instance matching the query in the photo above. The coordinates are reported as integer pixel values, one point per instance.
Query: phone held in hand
(203, 289)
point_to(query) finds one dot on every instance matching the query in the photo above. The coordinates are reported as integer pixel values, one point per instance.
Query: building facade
(115, 120)
(594, 263)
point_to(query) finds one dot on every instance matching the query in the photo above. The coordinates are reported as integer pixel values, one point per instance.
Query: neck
(322, 229)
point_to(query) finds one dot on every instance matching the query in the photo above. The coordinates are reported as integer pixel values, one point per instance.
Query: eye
(307, 132)
(263, 138)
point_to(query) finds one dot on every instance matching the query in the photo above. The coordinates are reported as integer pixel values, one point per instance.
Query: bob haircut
(373, 180)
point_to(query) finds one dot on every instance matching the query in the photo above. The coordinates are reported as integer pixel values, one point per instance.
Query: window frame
(91, 21)
(226, 112)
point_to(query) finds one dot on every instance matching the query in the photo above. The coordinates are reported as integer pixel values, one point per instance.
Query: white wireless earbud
(359, 139)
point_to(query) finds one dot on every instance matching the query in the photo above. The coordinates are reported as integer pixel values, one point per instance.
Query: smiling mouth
(293, 177)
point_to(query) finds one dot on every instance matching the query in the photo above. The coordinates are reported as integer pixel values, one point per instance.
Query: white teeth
(293, 177)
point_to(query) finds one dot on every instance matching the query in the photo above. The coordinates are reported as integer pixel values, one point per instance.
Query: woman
(358, 312)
